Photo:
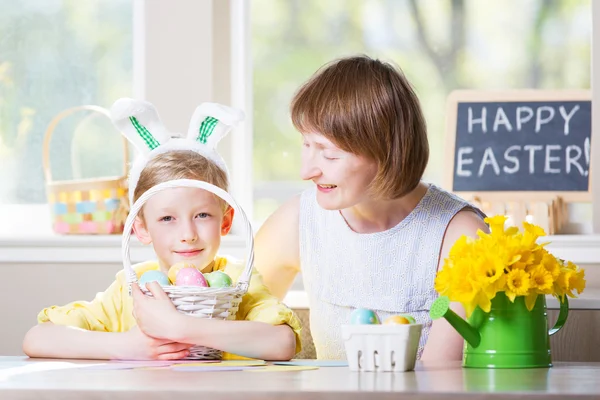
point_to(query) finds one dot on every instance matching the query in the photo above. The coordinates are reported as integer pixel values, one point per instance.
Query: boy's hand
(136, 345)
(156, 316)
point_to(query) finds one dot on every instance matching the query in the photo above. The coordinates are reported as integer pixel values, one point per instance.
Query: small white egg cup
(382, 348)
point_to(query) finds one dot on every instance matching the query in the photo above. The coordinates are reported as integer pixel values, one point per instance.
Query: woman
(370, 233)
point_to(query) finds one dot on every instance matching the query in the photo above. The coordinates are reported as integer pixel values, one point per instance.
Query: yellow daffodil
(496, 224)
(561, 284)
(442, 281)
(460, 248)
(551, 265)
(531, 234)
(570, 280)
(466, 290)
(505, 260)
(577, 282)
(541, 280)
(518, 283)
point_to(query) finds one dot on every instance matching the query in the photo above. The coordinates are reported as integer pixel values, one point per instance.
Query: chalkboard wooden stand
(550, 215)
(546, 208)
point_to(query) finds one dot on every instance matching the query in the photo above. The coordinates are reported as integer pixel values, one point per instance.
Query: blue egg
(154, 276)
(364, 316)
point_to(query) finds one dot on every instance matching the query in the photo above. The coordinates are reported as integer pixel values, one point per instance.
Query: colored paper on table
(282, 368)
(133, 364)
(160, 362)
(314, 363)
(232, 363)
(208, 368)
(119, 366)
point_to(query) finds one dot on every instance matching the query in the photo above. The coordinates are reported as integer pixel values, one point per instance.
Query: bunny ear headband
(139, 122)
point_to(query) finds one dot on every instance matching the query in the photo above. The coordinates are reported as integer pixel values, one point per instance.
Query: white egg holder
(382, 348)
(200, 302)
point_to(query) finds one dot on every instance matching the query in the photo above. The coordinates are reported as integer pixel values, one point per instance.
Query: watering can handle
(562, 316)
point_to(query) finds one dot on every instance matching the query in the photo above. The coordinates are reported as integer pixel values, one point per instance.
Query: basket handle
(52, 127)
(244, 279)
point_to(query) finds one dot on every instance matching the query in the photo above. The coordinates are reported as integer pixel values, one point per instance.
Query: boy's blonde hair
(368, 107)
(181, 164)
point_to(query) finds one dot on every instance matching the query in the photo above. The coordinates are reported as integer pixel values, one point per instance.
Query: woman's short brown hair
(186, 164)
(367, 107)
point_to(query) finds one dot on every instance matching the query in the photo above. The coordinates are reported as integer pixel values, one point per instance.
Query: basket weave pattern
(200, 302)
(86, 206)
(94, 211)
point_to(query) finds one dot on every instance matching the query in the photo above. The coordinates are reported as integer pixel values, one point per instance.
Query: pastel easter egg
(190, 277)
(175, 268)
(364, 316)
(218, 279)
(409, 317)
(396, 320)
(154, 276)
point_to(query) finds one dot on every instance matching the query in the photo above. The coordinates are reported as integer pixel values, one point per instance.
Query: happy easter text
(556, 145)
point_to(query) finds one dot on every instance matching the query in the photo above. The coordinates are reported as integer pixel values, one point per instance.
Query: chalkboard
(534, 142)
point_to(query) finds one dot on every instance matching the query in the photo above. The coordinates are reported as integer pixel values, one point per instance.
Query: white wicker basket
(201, 302)
(381, 348)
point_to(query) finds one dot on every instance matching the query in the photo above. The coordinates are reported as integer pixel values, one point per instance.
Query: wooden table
(428, 381)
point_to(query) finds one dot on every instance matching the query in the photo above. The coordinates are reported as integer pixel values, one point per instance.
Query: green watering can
(509, 336)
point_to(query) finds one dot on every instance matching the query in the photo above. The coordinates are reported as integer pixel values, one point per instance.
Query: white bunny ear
(139, 121)
(211, 122)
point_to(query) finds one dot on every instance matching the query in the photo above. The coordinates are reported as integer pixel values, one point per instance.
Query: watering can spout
(441, 308)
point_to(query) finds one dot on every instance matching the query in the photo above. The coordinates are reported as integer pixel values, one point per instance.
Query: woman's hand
(156, 316)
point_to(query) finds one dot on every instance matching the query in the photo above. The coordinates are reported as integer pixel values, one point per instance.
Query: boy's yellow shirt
(112, 310)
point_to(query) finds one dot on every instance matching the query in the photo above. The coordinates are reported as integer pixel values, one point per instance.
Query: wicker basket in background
(86, 206)
(200, 302)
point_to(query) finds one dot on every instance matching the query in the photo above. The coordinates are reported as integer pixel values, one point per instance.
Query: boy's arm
(158, 317)
(102, 314)
(48, 340)
(246, 338)
(85, 329)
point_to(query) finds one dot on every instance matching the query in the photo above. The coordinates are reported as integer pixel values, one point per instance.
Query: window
(55, 55)
(440, 45)
(59, 54)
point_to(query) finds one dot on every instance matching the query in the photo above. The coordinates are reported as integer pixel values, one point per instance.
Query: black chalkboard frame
(462, 96)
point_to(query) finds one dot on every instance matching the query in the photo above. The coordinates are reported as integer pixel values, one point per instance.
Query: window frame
(229, 41)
